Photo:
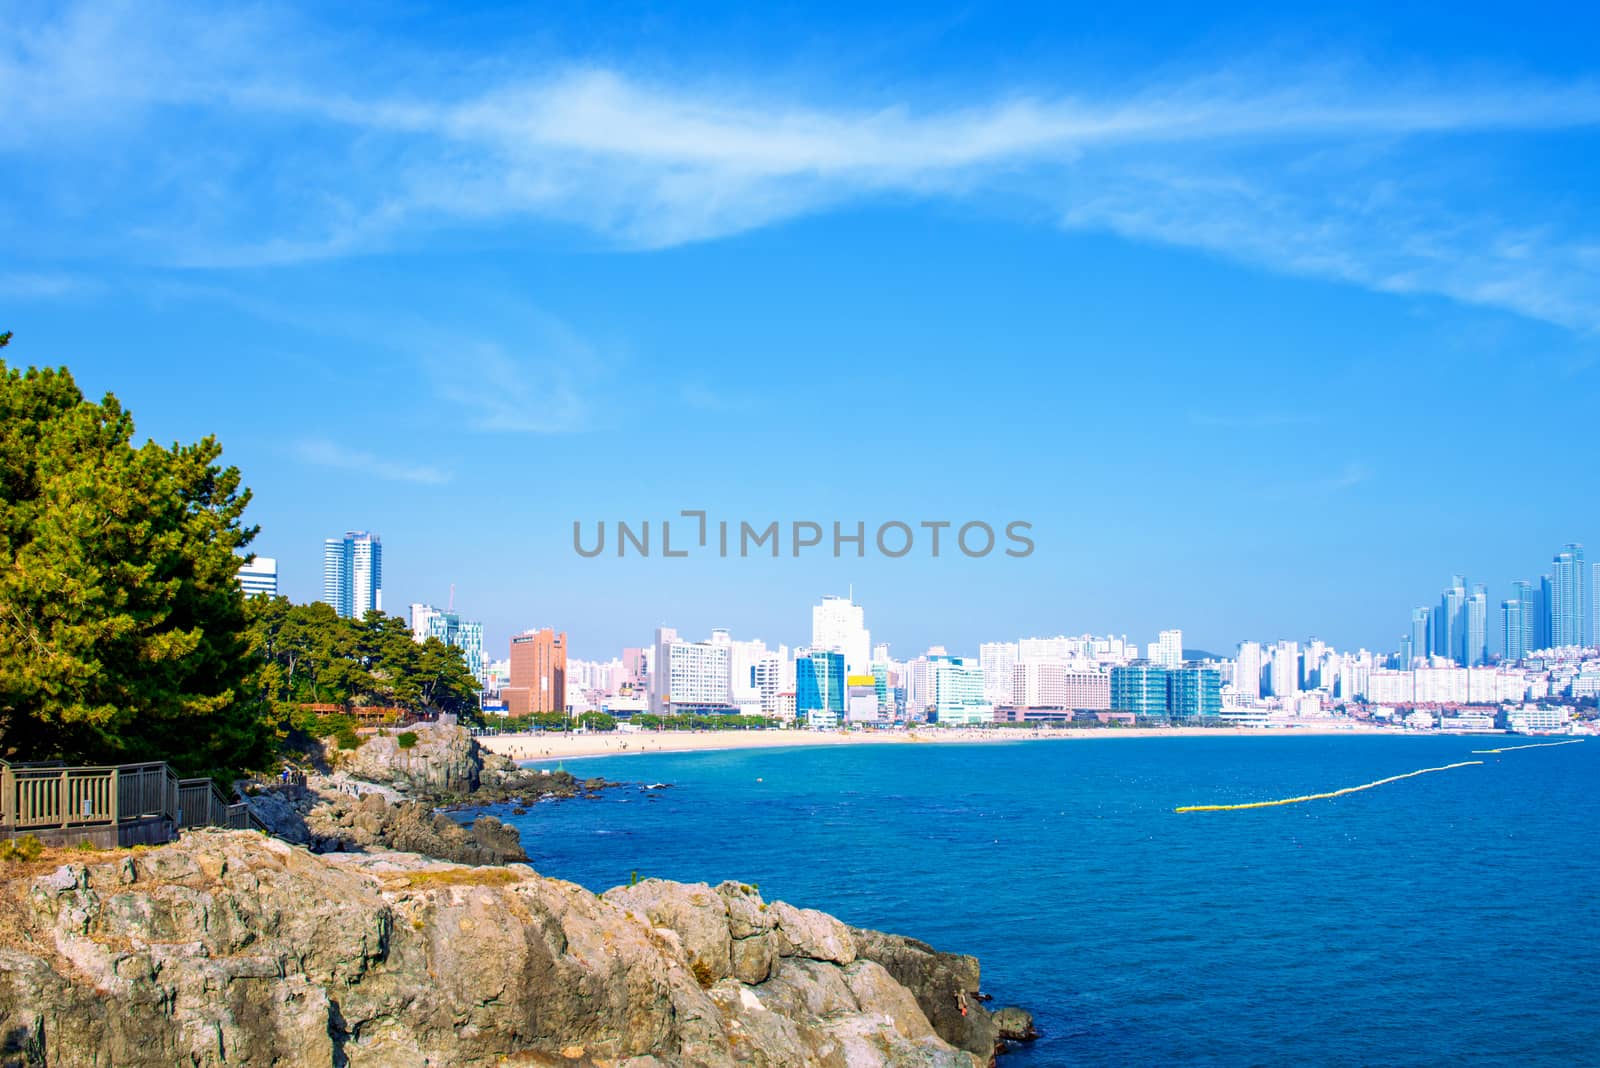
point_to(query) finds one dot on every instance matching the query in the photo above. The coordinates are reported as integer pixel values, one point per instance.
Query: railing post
(116, 796)
(61, 800)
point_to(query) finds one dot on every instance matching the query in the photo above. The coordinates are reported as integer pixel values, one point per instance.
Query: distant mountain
(1201, 654)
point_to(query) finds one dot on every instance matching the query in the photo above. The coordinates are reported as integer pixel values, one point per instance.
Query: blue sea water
(1452, 918)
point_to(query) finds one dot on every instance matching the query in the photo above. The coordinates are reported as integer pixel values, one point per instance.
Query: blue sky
(1267, 323)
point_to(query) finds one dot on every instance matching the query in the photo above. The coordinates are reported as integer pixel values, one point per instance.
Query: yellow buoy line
(1535, 745)
(1323, 797)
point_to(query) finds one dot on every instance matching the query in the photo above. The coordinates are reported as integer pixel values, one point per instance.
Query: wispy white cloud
(536, 393)
(324, 453)
(43, 285)
(1326, 171)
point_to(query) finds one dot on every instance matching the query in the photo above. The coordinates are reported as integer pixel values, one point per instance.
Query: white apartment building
(1247, 672)
(996, 659)
(1047, 684)
(958, 692)
(1168, 650)
(259, 576)
(838, 625)
(1284, 670)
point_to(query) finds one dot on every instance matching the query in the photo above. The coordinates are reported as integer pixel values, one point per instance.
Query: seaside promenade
(552, 745)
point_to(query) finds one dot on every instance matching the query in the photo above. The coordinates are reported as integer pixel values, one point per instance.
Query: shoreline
(539, 748)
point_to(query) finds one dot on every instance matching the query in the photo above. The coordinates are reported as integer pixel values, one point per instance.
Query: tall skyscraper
(1247, 671)
(259, 576)
(1476, 631)
(1450, 634)
(1541, 615)
(352, 574)
(1566, 597)
(1285, 669)
(1527, 597)
(839, 625)
(1419, 635)
(1515, 629)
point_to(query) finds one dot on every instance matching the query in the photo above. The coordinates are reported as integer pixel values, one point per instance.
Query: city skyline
(1485, 629)
(1181, 292)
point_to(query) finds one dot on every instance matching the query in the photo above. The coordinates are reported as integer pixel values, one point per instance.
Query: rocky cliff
(231, 948)
(444, 764)
(383, 795)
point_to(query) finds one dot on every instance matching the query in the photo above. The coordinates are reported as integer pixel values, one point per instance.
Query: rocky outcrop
(345, 824)
(386, 795)
(946, 988)
(234, 948)
(443, 760)
(443, 763)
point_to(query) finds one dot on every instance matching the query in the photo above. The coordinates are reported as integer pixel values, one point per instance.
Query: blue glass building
(1140, 688)
(1193, 692)
(819, 684)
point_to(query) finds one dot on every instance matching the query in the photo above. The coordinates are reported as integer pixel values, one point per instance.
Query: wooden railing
(52, 797)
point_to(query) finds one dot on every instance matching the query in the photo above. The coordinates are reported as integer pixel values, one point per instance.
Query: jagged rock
(945, 986)
(343, 824)
(694, 912)
(809, 933)
(228, 947)
(444, 760)
(1015, 1025)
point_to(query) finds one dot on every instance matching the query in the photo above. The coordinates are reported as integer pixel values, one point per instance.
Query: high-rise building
(538, 673)
(1515, 629)
(466, 635)
(1284, 672)
(1450, 638)
(1140, 688)
(958, 691)
(1419, 635)
(1169, 649)
(839, 625)
(997, 659)
(767, 674)
(690, 677)
(1527, 598)
(1566, 597)
(1194, 692)
(1476, 631)
(1247, 671)
(1541, 615)
(259, 576)
(1053, 684)
(1594, 607)
(352, 574)
(819, 687)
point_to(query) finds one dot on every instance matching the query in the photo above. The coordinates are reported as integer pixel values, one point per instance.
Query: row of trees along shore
(124, 635)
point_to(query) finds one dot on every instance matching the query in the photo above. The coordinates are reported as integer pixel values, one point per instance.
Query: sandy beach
(557, 746)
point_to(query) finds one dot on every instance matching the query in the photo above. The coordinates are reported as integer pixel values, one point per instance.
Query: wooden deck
(113, 805)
